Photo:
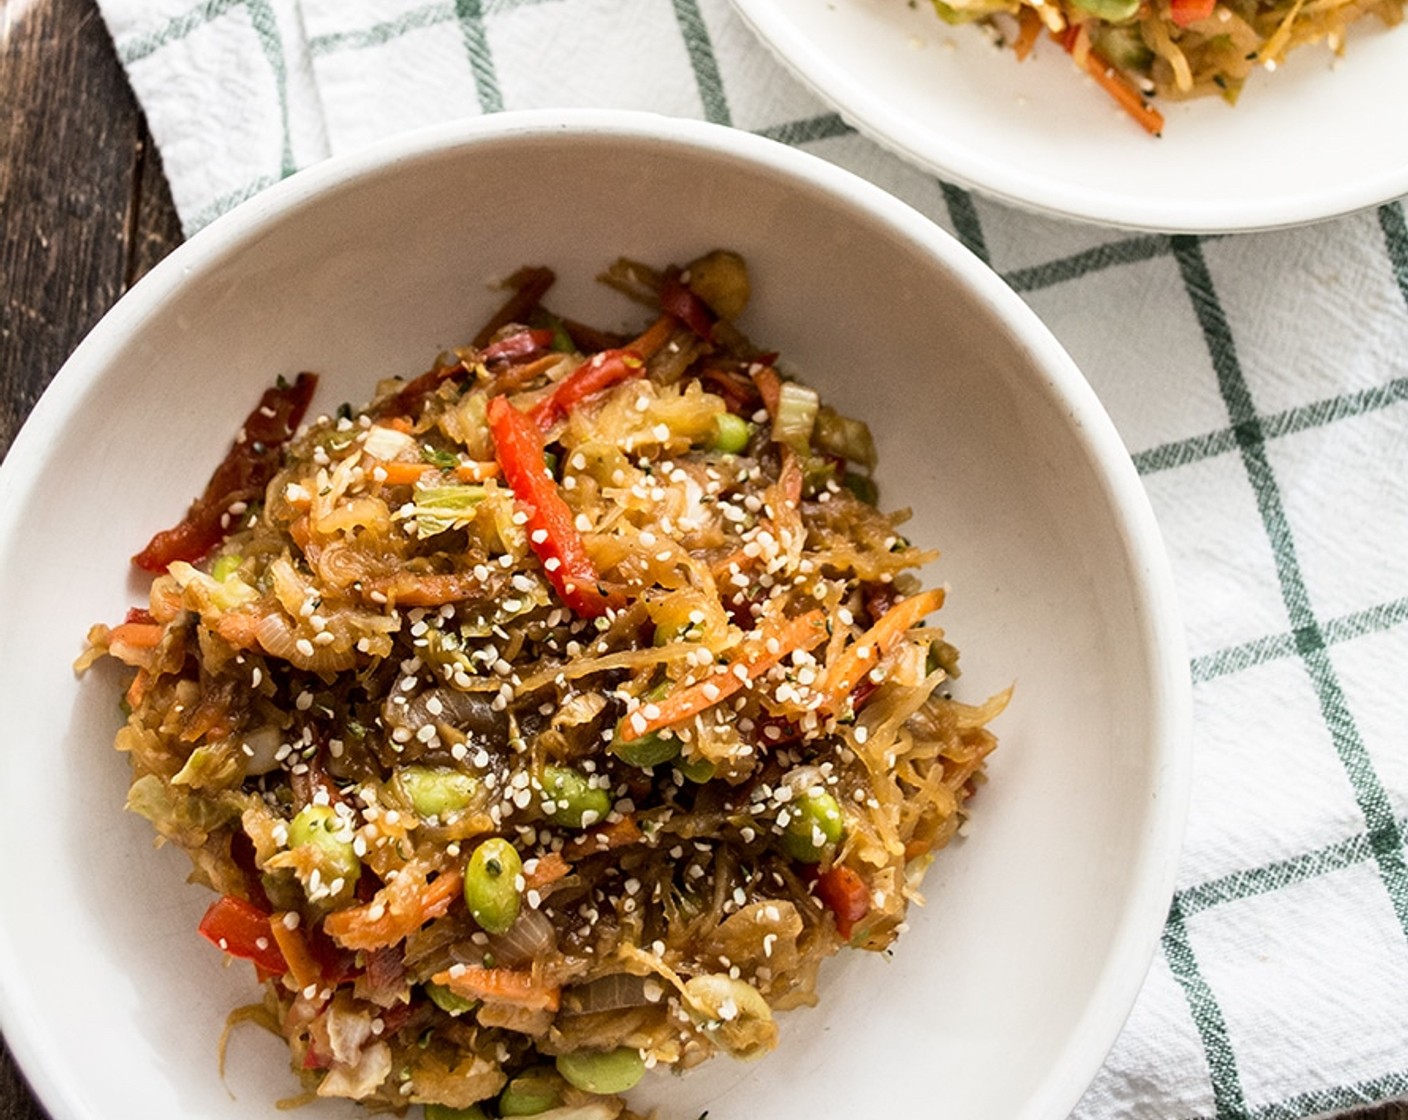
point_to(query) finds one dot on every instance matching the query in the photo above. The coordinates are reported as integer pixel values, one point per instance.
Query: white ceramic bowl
(1316, 139)
(1005, 995)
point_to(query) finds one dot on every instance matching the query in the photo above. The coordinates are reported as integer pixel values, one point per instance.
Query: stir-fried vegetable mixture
(1135, 49)
(552, 717)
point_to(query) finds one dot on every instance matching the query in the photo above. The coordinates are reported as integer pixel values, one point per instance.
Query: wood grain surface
(85, 207)
(84, 212)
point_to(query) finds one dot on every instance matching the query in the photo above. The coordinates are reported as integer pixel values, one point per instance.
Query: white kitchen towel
(1260, 382)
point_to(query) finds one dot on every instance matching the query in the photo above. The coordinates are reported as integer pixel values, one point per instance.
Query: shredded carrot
(431, 589)
(1115, 84)
(138, 688)
(913, 849)
(649, 341)
(1126, 96)
(501, 985)
(778, 638)
(301, 530)
(549, 869)
(239, 628)
(137, 635)
(790, 479)
(738, 560)
(357, 928)
(516, 376)
(477, 472)
(292, 944)
(769, 386)
(1028, 31)
(789, 485)
(439, 895)
(407, 474)
(399, 473)
(863, 655)
(210, 718)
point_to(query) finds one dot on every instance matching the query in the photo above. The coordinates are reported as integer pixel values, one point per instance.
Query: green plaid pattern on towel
(1260, 381)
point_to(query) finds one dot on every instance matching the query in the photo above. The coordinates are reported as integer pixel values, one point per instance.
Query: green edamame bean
(731, 433)
(437, 791)
(492, 879)
(448, 1001)
(698, 771)
(647, 751)
(445, 1112)
(596, 1071)
(531, 1092)
(814, 822)
(319, 827)
(575, 801)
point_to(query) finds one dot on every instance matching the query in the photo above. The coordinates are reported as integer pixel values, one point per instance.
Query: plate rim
(1036, 193)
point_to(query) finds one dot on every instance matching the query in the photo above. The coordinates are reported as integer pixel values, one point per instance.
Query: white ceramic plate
(1315, 139)
(1004, 997)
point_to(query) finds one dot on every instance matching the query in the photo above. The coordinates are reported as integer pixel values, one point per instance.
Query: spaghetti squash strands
(526, 723)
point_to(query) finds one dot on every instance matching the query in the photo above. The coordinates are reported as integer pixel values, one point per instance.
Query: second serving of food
(1171, 49)
(552, 717)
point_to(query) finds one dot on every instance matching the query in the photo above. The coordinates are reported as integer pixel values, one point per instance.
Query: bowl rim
(1140, 924)
(874, 117)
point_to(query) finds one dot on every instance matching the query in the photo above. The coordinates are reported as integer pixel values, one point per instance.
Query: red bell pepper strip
(517, 347)
(598, 373)
(1185, 12)
(845, 894)
(242, 929)
(242, 477)
(518, 446)
(688, 308)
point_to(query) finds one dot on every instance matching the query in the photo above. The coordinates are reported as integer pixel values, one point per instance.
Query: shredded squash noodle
(552, 717)
(1137, 49)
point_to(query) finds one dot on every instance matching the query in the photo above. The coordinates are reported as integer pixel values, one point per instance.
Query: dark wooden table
(84, 212)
